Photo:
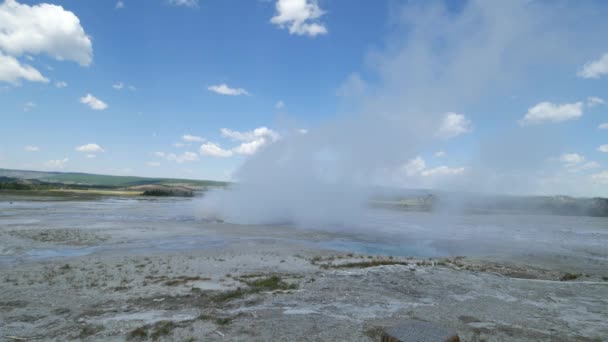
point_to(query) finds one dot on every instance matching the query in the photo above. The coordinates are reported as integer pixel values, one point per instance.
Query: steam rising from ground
(435, 62)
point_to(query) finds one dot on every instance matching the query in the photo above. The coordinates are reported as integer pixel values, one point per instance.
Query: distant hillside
(94, 180)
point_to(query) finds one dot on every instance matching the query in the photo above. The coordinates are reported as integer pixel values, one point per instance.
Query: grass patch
(183, 280)
(222, 321)
(272, 283)
(162, 328)
(137, 334)
(89, 330)
(268, 283)
(569, 276)
(366, 264)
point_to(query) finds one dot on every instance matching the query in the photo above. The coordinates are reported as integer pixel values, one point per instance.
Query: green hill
(94, 180)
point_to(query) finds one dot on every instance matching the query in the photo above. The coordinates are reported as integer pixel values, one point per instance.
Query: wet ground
(124, 269)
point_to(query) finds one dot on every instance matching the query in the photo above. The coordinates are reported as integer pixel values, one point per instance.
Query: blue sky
(159, 70)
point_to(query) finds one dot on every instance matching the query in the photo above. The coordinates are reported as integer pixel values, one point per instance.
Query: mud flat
(205, 281)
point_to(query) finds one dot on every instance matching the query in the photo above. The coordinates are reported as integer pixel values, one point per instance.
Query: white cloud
(300, 17)
(595, 69)
(417, 167)
(90, 148)
(440, 154)
(56, 164)
(179, 158)
(302, 131)
(603, 125)
(12, 71)
(180, 145)
(601, 177)
(153, 164)
(549, 112)
(118, 86)
(119, 5)
(182, 158)
(31, 148)
(414, 166)
(214, 150)
(29, 106)
(260, 132)
(571, 158)
(574, 162)
(43, 28)
(279, 105)
(93, 102)
(443, 171)
(251, 140)
(224, 89)
(249, 148)
(61, 84)
(191, 138)
(453, 125)
(603, 148)
(91, 156)
(593, 101)
(186, 3)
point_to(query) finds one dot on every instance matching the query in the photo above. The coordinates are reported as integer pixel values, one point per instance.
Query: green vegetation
(569, 276)
(137, 334)
(366, 264)
(271, 283)
(94, 180)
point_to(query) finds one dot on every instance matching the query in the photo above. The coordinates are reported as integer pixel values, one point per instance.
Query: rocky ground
(265, 290)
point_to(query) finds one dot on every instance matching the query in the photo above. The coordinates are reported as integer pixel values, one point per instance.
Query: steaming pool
(43, 228)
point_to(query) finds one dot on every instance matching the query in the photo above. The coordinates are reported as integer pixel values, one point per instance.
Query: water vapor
(435, 61)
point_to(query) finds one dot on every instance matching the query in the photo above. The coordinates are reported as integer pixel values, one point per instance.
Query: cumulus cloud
(29, 106)
(43, 28)
(300, 17)
(191, 138)
(179, 158)
(31, 148)
(453, 125)
(252, 140)
(185, 3)
(93, 102)
(224, 89)
(571, 158)
(182, 158)
(214, 150)
(260, 132)
(595, 69)
(603, 125)
(56, 164)
(90, 148)
(593, 101)
(601, 177)
(414, 166)
(118, 86)
(61, 84)
(417, 167)
(12, 71)
(603, 148)
(545, 112)
(574, 162)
